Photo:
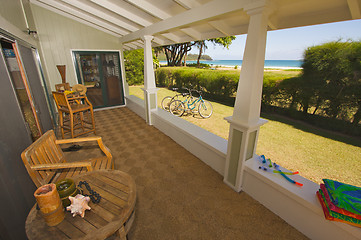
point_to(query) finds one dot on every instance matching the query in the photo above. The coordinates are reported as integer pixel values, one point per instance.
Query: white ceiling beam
(192, 33)
(101, 14)
(122, 12)
(355, 8)
(79, 16)
(206, 11)
(150, 8)
(188, 4)
(221, 27)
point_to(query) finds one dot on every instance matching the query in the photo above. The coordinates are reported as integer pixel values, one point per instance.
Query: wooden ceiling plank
(132, 46)
(221, 27)
(159, 41)
(123, 12)
(171, 36)
(136, 43)
(207, 11)
(101, 14)
(150, 8)
(192, 33)
(79, 16)
(188, 4)
(355, 8)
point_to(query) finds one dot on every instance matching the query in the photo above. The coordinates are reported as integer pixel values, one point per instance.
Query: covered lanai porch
(178, 196)
(132, 24)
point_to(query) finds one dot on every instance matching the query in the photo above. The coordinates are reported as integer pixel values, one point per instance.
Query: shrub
(201, 65)
(220, 83)
(134, 66)
(332, 74)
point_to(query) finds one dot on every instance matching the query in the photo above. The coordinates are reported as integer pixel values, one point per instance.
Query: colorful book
(334, 216)
(344, 195)
(334, 208)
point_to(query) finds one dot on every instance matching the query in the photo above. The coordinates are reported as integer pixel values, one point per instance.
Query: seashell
(78, 205)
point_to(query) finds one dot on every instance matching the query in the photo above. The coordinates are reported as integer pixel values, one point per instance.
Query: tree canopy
(177, 53)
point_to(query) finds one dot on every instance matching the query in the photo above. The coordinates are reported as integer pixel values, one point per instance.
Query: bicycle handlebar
(189, 91)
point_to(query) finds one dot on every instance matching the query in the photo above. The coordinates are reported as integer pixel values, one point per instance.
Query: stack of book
(340, 202)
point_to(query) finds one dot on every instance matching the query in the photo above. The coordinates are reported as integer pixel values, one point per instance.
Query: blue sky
(289, 44)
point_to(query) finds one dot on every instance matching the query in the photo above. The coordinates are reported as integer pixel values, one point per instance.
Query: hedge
(214, 82)
(283, 93)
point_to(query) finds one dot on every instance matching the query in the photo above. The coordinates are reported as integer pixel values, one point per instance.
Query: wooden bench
(45, 161)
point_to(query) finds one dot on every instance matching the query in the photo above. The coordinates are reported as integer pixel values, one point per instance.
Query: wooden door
(100, 73)
(37, 89)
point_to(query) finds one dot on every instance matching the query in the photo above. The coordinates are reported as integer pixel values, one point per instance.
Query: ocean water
(282, 64)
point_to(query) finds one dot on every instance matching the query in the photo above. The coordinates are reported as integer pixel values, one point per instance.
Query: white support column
(150, 90)
(122, 71)
(245, 122)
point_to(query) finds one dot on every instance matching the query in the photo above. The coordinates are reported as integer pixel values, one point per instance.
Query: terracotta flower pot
(49, 203)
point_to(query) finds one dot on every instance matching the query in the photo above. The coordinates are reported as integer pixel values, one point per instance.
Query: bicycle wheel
(165, 102)
(177, 108)
(205, 109)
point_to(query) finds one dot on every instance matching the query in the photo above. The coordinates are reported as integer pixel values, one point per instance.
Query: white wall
(12, 20)
(58, 35)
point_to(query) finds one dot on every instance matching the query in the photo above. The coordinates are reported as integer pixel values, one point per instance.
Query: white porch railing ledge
(208, 147)
(218, 144)
(297, 205)
(136, 105)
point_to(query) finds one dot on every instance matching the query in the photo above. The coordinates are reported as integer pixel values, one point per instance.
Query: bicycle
(178, 107)
(168, 99)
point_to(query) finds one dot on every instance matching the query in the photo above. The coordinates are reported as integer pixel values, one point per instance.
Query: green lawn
(315, 153)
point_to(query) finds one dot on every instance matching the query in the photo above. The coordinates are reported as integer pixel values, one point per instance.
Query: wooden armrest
(87, 164)
(87, 139)
(73, 140)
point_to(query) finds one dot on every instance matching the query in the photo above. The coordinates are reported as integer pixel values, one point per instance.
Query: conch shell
(78, 205)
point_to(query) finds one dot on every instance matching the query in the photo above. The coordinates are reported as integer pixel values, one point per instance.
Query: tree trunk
(200, 54)
(357, 116)
(176, 52)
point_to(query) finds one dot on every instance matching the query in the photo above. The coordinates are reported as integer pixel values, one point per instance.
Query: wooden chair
(72, 114)
(45, 161)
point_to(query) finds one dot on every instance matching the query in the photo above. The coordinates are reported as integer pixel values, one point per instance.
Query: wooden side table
(115, 212)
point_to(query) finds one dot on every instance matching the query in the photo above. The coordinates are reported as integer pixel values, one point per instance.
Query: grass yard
(296, 146)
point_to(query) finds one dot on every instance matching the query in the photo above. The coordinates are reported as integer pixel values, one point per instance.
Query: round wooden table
(115, 212)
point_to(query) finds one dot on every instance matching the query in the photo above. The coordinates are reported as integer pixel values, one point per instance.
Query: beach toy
(287, 178)
(268, 163)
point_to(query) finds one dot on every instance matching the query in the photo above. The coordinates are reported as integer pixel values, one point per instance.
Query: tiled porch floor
(178, 196)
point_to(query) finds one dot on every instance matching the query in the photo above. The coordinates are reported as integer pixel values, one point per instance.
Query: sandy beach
(266, 69)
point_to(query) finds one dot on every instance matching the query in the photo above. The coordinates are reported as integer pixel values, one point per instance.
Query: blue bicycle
(191, 104)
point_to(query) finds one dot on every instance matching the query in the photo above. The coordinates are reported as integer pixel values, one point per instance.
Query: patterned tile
(178, 196)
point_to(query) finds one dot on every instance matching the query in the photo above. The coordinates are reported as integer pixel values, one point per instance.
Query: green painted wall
(58, 35)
